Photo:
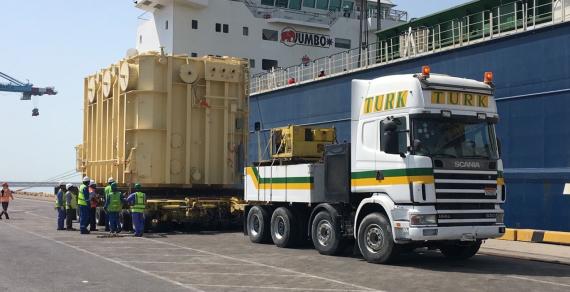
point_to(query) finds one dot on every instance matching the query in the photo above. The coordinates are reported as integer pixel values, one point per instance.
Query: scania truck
(422, 169)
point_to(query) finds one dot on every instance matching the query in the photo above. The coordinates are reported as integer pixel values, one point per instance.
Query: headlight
(423, 219)
(500, 218)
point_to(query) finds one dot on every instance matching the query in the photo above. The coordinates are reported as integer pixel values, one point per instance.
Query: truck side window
(403, 136)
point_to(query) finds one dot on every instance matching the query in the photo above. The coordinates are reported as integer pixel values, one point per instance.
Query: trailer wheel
(100, 217)
(284, 228)
(325, 234)
(258, 224)
(460, 251)
(375, 239)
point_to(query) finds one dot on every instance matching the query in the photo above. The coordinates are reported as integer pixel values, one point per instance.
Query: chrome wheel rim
(255, 225)
(279, 227)
(324, 232)
(374, 238)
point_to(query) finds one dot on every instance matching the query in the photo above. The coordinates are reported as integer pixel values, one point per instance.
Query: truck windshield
(454, 138)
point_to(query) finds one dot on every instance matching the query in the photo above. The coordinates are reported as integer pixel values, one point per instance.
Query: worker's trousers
(69, 218)
(138, 223)
(4, 210)
(92, 219)
(60, 217)
(84, 218)
(113, 218)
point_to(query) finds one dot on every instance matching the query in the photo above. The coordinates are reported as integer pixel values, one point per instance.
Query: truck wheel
(325, 235)
(284, 229)
(460, 251)
(375, 239)
(258, 225)
(100, 217)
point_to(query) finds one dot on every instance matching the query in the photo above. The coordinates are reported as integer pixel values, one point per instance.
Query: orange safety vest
(6, 196)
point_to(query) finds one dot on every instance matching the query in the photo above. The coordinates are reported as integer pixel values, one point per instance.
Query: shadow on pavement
(482, 264)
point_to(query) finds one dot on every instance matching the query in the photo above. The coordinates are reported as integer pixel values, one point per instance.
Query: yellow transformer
(166, 121)
(298, 142)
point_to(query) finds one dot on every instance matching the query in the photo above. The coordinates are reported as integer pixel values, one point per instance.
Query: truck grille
(461, 198)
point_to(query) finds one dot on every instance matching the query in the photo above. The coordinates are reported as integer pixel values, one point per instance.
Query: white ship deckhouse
(270, 33)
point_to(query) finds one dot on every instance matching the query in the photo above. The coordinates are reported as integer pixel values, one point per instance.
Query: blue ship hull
(532, 77)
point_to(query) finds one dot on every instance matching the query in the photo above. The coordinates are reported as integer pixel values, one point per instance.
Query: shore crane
(27, 89)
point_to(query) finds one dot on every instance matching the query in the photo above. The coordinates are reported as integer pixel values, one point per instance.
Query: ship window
(267, 64)
(267, 2)
(281, 3)
(342, 43)
(226, 28)
(269, 35)
(193, 54)
(295, 4)
(335, 5)
(194, 24)
(245, 30)
(218, 27)
(251, 63)
(309, 3)
(323, 4)
(166, 25)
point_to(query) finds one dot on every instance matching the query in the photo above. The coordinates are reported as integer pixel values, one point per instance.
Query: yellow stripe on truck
(277, 186)
(397, 180)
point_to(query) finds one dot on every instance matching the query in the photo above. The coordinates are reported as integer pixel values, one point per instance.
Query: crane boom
(27, 89)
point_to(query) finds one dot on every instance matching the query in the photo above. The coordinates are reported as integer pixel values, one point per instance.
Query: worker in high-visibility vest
(93, 202)
(70, 206)
(83, 202)
(60, 206)
(5, 198)
(113, 205)
(137, 200)
(107, 192)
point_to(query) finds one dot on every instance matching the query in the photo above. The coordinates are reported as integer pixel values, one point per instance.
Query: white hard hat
(92, 182)
(68, 186)
(61, 183)
(86, 179)
(111, 180)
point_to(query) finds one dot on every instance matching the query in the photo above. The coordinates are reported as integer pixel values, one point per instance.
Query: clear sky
(57, 43)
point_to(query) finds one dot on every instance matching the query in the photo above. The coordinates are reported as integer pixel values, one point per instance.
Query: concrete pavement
(525, 250)
(39, 258)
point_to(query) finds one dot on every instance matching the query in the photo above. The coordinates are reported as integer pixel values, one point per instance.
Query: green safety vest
(108, 190)
(139, 205)
(114, 199)
(81, 198)
(73, 204)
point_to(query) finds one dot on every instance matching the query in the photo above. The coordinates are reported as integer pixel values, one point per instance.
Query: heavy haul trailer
(174, 124)
(422, 169)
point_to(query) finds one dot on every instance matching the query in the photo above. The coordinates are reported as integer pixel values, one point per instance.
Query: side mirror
(499, 147)
(391, 138)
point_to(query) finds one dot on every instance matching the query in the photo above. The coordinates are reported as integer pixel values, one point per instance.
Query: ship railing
(268, 12)
(508, 19)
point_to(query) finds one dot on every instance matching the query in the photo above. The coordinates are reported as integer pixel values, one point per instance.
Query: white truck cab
(422, 169)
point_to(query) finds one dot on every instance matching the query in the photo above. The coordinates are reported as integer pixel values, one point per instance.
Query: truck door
(391, 168)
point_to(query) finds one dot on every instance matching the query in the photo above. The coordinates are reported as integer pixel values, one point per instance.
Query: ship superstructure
(270, 33)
